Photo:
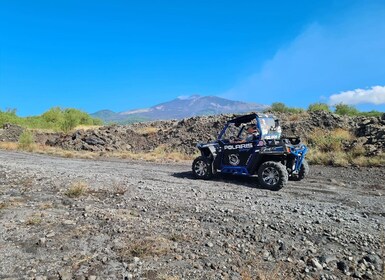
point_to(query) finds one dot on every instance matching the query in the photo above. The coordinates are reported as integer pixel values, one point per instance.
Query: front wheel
(303, 171)
(272, 175)
(201, 168)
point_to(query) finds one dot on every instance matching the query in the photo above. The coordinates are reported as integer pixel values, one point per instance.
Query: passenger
(252, 133)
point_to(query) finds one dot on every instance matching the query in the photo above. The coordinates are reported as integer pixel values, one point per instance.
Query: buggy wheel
(201, 168)
(272, 175)
(303, 171)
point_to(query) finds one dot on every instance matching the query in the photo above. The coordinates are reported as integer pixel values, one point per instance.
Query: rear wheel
(201, 168)
(303, 172)
(272, 175)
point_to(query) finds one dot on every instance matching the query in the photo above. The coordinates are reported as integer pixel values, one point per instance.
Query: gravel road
(139, 220)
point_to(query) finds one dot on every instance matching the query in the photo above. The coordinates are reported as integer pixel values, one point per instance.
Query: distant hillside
(180, 108)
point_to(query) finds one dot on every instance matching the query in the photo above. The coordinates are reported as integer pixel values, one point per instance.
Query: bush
(71, 119)
(26, 141)
(372, 113)
(77, 189)
(9, 116)
(335, 148)
(318, 107)
(55, 119)
(53, 115)
(346, 110)
(280, 107)
(329, 141)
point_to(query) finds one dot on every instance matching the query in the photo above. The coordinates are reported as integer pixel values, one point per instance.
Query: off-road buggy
(273, 159)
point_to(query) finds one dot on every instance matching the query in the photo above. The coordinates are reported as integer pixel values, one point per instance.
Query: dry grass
(10, 146)
(329, 141)
(328, 148)
(164, 276)
(53, 151)
(256, 270)
(27, 141)
(146, 247)
(297, 117)
(3, 205)
(160, 154)
(46, 205)
(77, 189)
(345, 159)
(48, 150)
(87, 127)
(34, 220)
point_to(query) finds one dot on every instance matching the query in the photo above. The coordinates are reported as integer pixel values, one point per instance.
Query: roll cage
(267, 125)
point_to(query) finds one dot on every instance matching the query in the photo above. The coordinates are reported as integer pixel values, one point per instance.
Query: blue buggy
(273, 159)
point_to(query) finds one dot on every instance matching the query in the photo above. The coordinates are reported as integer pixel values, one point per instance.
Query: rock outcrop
(10, 133)
(183, 135)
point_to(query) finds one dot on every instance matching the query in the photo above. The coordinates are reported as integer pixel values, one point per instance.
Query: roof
(243, 119)
(248, 118)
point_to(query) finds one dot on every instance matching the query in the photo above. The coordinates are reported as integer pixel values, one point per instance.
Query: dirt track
(153, 221)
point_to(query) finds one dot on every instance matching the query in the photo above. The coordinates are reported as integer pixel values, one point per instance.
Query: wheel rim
(200, 168)
(270, 176)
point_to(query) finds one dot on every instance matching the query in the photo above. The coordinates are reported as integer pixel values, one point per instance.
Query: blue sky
(122, 55)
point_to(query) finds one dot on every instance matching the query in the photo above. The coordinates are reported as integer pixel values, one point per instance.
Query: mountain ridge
(179, 108)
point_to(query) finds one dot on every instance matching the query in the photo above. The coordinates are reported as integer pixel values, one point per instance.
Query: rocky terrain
(183, 135)
(116, 219)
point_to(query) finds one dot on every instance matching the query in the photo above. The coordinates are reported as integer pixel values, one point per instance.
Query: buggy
(274, 160)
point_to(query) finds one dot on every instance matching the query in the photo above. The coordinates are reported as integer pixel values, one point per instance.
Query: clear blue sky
(122, 55)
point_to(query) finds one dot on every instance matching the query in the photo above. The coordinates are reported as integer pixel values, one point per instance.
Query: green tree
(279, 107)
(70, 121)
(319, 106)
(54, 115)
(346, 110)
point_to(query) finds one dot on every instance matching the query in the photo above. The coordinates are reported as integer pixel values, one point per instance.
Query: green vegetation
(346, 110)
(56, 118)
(340, 109)
(280, 107)
(26, 141)
(332, 148)
(319, 106)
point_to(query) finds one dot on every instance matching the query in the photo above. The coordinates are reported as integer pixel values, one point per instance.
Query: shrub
(318, 107)
(329, 141)
(346, 110)
(280, 107)
(372, 113)
(76, 189)
(26, 141)
(8, 116)
(55, 119)
(53, 115)
(34, 220)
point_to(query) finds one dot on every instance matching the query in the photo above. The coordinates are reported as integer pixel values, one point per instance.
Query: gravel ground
(138, 220)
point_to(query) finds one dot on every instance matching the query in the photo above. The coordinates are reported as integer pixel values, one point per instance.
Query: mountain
(181, 107)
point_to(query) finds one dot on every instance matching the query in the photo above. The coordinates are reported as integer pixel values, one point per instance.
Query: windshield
(232, 131)
(269, 128)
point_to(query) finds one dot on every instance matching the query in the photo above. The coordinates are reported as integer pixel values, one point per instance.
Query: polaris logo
(239, 146)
